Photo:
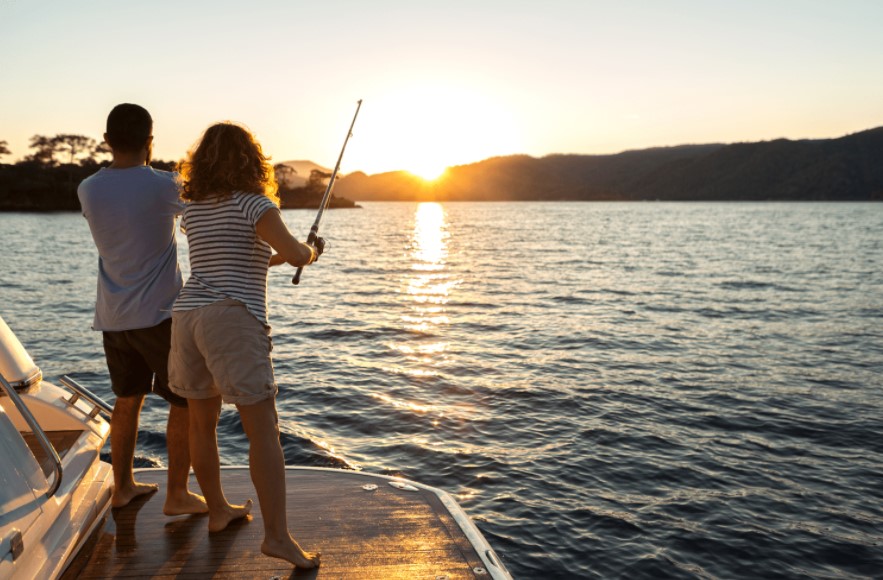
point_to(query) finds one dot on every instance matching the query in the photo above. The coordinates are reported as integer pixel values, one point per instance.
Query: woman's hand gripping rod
(314, 231)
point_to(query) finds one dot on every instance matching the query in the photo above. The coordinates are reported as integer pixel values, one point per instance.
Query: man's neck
(127, 160)
(119, 164)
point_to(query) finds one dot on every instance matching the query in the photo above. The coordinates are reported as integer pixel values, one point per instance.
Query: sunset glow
(426, 128)
(429, 171)
(445, 85)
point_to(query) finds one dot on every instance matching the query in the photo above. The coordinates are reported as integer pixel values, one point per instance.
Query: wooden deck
(385, 533)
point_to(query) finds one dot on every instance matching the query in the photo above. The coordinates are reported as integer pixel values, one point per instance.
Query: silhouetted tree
(4, 149)
(317, 181)
(101, 152)
(66, 148)
(45, 150)
(75, 146)
(307, 195)
(283, 174)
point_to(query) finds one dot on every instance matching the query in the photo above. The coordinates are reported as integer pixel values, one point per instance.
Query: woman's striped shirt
(227, 258)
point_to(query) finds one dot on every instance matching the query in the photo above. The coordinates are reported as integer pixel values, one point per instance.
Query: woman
(220, 334)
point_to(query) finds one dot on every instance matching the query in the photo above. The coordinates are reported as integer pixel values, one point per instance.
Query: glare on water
(428, 286)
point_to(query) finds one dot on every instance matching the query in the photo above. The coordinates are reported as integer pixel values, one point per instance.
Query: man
(131, 209)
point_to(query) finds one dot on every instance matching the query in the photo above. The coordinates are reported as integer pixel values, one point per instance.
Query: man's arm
(81, 195)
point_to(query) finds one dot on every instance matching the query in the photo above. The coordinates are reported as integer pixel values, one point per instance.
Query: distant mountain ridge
(848, 168)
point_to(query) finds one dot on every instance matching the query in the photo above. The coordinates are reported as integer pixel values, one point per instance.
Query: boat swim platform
(365, 526)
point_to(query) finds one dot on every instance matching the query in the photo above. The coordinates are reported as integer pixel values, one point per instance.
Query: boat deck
(363, 526)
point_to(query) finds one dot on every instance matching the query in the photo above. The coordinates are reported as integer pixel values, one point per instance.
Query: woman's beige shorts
(221, 349)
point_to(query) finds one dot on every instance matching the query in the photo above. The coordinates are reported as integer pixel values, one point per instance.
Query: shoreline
(356, 204)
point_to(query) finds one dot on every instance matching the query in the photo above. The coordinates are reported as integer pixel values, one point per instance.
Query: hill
(848, 168)
(302, 169)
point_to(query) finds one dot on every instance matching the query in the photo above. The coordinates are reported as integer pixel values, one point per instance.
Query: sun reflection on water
(424, 294)
(428, 288)
(425, 291)
(430, 237)
(407, 405)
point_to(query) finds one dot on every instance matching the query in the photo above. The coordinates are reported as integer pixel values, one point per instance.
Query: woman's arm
(272, 230)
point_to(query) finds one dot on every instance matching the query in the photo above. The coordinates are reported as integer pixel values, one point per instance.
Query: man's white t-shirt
(131, 213)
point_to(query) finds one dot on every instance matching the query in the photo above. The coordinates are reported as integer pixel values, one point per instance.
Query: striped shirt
(227, 257)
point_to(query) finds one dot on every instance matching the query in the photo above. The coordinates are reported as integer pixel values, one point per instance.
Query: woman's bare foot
(123, 495)
(288, 549)
(187, 503)
(220, 520)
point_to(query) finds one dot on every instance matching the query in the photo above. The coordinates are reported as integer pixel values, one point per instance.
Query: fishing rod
(314, 231)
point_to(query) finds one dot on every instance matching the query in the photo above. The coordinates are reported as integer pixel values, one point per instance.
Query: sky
(444, 83)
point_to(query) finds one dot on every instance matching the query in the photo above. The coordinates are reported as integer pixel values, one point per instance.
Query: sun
(424, 129)
(428, 171)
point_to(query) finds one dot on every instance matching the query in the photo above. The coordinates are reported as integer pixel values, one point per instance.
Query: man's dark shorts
(138, 361)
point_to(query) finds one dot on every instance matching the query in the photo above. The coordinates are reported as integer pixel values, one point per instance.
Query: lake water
(634, 390)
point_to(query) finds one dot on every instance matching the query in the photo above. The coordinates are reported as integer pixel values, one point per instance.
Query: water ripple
(670, 391)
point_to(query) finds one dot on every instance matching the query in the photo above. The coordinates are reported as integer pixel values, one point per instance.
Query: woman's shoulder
(253, 205)
(251, 197)
(208, 205)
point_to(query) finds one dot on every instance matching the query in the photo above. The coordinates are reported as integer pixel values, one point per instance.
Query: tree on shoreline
(309, 195)
(47, 178)
(75, 146)
(45, 150)
(318, 181)
(66, 149)
(283, 174)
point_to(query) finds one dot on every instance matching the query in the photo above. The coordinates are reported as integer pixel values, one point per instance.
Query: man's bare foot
(189, 503)
(288, 549)
(220, 520)
(123, 495)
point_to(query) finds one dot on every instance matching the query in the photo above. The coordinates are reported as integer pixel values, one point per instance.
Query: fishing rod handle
(311, 239)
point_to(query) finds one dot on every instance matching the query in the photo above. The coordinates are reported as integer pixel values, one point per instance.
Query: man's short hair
(128, 128)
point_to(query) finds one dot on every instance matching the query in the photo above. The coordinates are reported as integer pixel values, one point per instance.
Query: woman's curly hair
(226, 159)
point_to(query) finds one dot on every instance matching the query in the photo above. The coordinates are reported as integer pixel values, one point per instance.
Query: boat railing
(38, 432)
(78, 390)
